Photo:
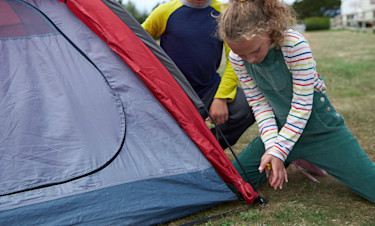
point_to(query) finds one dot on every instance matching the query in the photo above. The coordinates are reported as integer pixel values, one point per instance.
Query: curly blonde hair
(249, 18)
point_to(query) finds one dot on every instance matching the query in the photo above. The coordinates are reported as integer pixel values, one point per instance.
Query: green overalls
(326, 141)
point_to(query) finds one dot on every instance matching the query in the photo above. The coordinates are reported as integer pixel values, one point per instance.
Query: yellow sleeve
(228, 85)
(156, 22)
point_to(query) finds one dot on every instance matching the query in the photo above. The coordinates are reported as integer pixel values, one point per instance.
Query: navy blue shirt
(190, 40)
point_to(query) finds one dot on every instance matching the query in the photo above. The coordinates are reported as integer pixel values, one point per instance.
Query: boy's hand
(219, 111)
(278, 173)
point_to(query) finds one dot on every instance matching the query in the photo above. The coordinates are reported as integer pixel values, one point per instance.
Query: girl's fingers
(281, 180)
(276, 180)
(286, 177)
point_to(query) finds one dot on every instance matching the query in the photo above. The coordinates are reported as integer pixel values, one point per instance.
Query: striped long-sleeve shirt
(298, 58)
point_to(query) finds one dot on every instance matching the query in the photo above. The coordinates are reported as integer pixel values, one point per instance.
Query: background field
(346, 62)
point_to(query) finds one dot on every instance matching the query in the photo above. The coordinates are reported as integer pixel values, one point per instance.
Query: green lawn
(346, 62)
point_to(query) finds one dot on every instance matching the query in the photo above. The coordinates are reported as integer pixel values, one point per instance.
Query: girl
(295, 117)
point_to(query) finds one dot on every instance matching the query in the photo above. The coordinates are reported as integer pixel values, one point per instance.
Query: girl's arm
(297, 55)
(262, 110)
(266, 122)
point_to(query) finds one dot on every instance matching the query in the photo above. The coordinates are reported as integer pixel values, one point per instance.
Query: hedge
(317, 23)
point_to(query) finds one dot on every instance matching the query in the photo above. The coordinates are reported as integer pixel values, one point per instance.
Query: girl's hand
(278, 173)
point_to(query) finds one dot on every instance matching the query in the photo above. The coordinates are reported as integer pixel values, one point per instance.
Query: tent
(97, 125)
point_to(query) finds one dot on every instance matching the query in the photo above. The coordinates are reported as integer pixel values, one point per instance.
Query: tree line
(316, 8)
(304, 9)
(140, 16)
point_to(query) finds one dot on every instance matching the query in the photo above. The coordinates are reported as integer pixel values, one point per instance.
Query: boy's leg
(240, 117)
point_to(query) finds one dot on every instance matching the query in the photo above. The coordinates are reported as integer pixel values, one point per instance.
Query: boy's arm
(156, 22)
(228, 85)
(225, 93)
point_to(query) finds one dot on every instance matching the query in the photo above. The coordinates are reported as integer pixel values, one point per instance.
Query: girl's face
(252, 50)
(197, 3)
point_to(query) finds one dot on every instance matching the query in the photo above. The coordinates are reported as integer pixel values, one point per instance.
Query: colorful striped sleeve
(298, 58)
(263, 112)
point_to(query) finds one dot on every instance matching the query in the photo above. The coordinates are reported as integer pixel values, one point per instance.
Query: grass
(345, 60)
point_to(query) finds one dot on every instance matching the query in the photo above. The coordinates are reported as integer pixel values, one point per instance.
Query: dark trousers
(240, 117)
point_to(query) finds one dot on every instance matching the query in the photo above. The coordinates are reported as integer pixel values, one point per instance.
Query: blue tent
(97, 125)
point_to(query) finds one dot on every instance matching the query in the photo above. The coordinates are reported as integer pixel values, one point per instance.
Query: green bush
(317, 23)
